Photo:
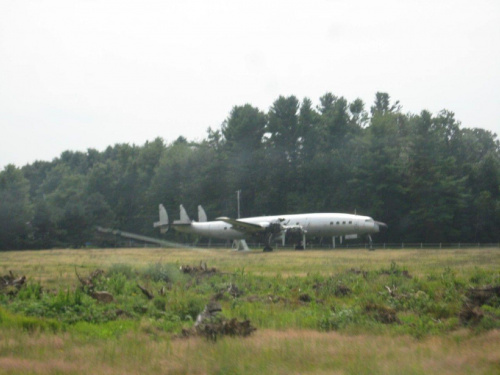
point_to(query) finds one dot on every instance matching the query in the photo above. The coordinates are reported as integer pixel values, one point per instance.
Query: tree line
(427, 177)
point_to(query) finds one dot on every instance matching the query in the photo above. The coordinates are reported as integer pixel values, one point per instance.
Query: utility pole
(240, 245)
(238, 192)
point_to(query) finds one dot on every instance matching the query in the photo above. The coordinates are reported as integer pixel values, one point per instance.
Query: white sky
(79, 74)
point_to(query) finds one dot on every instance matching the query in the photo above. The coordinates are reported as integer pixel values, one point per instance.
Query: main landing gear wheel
(268, 247)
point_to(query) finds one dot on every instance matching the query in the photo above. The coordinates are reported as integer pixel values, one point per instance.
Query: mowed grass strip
(56, 266)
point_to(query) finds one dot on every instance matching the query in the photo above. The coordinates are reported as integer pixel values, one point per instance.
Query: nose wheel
(371, 248)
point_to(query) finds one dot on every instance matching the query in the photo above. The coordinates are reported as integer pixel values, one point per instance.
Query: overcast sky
(79, 74)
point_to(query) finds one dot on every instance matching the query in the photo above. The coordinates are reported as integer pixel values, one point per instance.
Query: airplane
(267, 229)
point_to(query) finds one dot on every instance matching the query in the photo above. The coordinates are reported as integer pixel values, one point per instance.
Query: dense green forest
(424, 175)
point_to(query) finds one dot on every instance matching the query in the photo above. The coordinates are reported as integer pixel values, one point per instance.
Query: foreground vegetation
(391, 311)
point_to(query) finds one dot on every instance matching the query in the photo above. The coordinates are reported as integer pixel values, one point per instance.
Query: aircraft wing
(242, 226)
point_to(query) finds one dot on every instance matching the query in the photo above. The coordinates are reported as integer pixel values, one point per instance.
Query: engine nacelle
(274, 228)
(294, 233)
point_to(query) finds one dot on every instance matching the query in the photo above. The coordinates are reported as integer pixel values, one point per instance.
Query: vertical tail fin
(184, 218)
(202, 216)
(163, 222)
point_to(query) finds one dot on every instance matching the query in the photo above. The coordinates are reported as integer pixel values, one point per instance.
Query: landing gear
(371, 243)
(240, 245)
(268, 248)
(299, 246)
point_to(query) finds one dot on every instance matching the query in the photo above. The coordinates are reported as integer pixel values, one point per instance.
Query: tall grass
(266, 352)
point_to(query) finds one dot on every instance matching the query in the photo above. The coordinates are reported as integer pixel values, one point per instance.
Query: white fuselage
(315, 224)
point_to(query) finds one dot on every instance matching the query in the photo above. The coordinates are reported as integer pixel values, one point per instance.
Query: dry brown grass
(266, 352)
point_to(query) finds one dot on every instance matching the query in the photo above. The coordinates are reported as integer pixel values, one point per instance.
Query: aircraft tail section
(163, 222)
(202, 216)
(184, 218)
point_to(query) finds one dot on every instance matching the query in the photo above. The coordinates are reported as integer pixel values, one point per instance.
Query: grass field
(58, 265)
(52, 327)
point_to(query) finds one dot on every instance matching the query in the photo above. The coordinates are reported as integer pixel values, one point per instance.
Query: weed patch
(382, 314)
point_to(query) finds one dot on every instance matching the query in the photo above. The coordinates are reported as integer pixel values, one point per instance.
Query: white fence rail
(278, 246)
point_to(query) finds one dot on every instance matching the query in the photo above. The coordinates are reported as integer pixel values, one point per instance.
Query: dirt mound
(471, 313)
(342, 290)
(306, 298)
(217, 328)
(483, 296)
(211, 324)
(201, 270)
(232, 291)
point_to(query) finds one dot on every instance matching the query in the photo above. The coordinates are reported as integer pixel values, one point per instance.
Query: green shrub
(186, 305)
(160, 304)
(116, 283)
(338, 319)
(30, 291)
(479, 277)
(121, 269)
(168, 273)
(491, 318)
(453, 287)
